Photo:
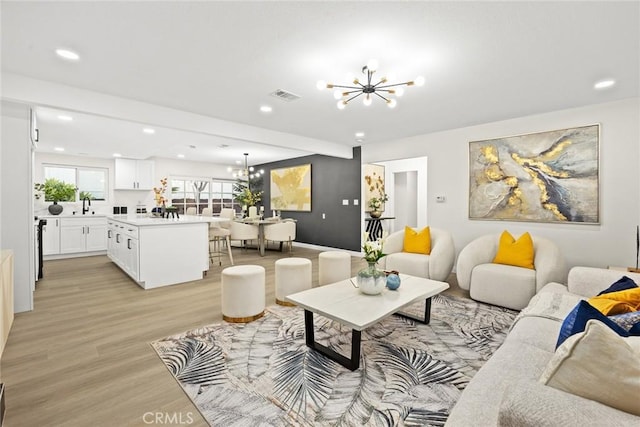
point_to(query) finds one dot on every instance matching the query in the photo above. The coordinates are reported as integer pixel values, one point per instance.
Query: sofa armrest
(549, 263)
(589, 281)
(479, 251)
(442, 256)
(530, 403)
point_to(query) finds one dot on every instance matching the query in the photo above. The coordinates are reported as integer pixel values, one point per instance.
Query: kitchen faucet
(85, 208)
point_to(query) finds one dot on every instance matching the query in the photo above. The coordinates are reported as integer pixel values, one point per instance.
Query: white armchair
(243, 232)
(191, 211)
(207, 212)
(506, 285)
(281, 232)
(436, 266)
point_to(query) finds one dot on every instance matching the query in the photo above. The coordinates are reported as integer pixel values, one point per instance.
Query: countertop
(64, 215)
(142, 221)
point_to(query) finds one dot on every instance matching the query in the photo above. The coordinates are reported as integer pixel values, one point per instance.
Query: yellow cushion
(515, 252)
(617, 302)
(417, 242)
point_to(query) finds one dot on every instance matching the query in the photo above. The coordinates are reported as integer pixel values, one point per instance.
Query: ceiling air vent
(285, 95)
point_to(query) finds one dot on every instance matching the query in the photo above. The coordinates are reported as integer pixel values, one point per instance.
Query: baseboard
(2, 407)
(325, 248)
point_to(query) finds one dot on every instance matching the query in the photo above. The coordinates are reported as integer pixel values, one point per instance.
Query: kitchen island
(158, 252)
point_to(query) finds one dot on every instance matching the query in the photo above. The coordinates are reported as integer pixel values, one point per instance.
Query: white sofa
(506, 390)
(436, 266)
(506, 285)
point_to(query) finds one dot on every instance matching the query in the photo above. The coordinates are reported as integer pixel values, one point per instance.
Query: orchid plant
(373, 249)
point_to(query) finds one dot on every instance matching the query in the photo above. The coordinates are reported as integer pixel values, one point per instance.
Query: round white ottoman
(333, 266)
(243, 293)
(292, 275)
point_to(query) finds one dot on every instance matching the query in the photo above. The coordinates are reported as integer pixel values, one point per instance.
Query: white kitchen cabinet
(51, 237)
(134, 174)
(82, 234)
(160, 251)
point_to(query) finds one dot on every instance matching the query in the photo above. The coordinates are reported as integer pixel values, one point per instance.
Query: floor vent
(285, 95)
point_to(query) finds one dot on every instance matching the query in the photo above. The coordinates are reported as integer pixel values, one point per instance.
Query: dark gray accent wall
(332, 181)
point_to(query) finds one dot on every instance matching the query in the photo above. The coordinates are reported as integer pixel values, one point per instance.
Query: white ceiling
(482, 61)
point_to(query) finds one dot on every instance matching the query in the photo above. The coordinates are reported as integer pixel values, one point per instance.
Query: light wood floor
(82, 357)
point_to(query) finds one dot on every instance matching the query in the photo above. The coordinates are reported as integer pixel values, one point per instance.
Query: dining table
(260, 222)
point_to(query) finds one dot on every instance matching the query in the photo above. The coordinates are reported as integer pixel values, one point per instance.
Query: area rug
(262, 373)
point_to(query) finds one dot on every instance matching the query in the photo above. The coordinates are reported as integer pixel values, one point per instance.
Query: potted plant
(55, 191)
(376, 203)
(244, 195)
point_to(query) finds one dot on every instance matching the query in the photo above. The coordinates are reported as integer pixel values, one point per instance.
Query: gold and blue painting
(291, 188)
(539, 177)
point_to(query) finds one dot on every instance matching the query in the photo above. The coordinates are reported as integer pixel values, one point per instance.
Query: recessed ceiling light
(65, 118)
(117, 155)
(59, 149)
(149, 131)
(67, 54)
(359, 134)
(603, 84)
(266, 108)
(181, 156)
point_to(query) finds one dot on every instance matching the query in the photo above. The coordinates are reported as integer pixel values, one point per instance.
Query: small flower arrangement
(375, 203)
(159, 192)
(373, 249)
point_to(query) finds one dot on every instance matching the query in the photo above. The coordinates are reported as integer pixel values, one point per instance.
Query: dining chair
(207, 212)
(191, 211)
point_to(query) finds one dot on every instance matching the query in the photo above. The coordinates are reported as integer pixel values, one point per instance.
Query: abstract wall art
(373, 184)
(539, 177)
(291, 188)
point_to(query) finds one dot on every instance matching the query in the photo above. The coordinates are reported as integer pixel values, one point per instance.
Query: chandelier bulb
(372, 65)
(392, 103)
(321, 85)
(399, 91)
(337, 94)
(419, 81)
(367, 100)
(341, 105)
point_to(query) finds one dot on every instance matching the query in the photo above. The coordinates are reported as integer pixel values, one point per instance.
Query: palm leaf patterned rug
(262, 373)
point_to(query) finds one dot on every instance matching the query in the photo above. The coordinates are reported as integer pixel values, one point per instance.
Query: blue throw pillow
(627, 321)
(576, 321)
(622, 284)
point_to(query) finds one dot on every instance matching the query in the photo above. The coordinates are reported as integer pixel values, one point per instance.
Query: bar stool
(216, 236)
(243, 293)
(333, 266)
(292, 275)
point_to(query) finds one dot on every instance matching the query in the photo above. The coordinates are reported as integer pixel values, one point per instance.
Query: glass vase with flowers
(372, 281)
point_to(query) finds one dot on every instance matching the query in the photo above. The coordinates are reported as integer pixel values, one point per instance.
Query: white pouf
(333, 266)
(243, 293)
(292, 275)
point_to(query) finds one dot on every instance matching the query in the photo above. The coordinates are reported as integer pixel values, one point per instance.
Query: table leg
(427, 313)
(261, 239)
(356, 336)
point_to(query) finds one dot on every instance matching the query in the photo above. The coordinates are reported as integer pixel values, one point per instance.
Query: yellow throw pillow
(514, 252)
(417, 242)
(617, 302)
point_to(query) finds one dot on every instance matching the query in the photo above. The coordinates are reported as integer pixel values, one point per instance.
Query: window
(90, 182)
(202, 193)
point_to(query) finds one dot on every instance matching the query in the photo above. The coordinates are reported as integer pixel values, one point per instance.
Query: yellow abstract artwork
(373, 184)
(291, 188)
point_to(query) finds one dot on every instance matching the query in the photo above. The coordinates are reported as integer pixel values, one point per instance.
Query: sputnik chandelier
(247, 172)
(369, 89)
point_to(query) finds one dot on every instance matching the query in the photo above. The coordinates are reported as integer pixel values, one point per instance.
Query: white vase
(371, 281)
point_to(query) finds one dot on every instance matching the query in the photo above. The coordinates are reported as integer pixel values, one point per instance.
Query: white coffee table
(345, 304)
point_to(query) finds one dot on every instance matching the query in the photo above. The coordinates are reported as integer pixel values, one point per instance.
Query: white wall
(612, 242)
(17, 228)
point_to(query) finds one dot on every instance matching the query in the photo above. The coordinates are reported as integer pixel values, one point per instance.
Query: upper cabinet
(134, 174)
